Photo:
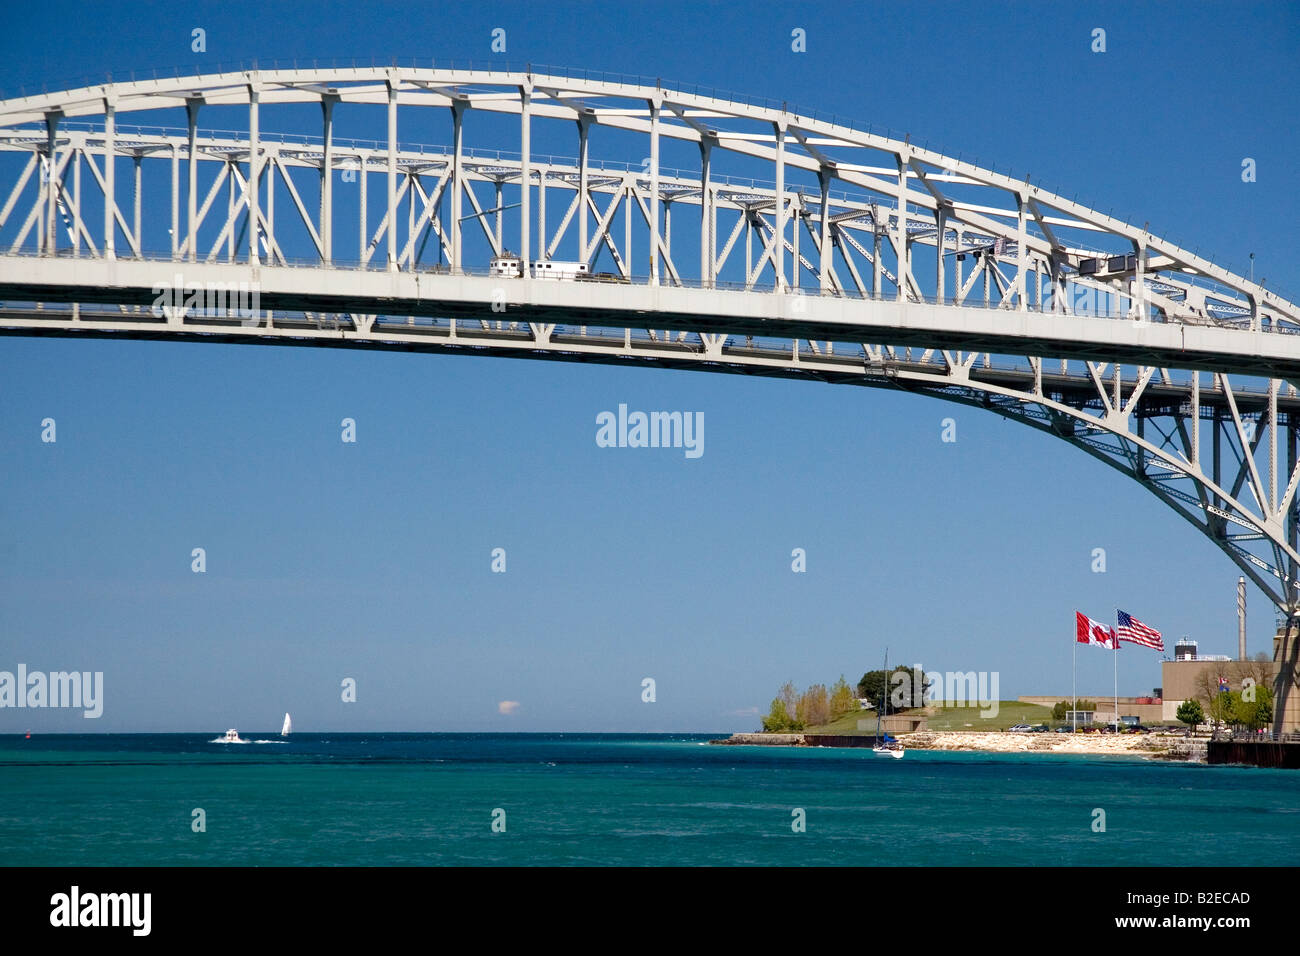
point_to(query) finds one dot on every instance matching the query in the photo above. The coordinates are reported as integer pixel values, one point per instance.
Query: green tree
(1255, 713)
(778, 719)
(872, 686)
(901, 680)
(1222, 706)
(1190, 713)
(843, 700)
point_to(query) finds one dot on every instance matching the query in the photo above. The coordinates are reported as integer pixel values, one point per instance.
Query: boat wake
(282, 742)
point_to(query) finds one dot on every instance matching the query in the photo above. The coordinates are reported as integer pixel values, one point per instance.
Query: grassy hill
(1010, 712)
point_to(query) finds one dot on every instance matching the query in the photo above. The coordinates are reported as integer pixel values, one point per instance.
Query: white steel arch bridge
(721, 235)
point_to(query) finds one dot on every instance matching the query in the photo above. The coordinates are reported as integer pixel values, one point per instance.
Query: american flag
(1131, 629)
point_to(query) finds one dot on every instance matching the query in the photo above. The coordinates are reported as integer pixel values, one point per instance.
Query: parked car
(1040, 729)
(1020, 729)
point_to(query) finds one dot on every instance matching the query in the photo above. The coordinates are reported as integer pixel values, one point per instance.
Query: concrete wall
(1184, 680)
(1105, 714)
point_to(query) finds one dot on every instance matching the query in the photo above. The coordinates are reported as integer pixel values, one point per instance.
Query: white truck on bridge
(511, 266)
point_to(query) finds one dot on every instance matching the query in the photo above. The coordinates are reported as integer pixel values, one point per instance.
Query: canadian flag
(1088, 631)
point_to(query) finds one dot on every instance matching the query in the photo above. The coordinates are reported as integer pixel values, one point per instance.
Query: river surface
(595, 799)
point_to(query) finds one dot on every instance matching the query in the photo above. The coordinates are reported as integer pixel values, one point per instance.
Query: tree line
(793, 710)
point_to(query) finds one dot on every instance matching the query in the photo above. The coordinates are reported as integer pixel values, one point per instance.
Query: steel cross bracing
(858, 259)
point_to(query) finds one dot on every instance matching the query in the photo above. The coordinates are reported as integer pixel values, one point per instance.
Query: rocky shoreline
(1157, 746)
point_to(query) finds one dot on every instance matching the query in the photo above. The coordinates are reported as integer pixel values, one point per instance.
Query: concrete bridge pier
(1286, 688)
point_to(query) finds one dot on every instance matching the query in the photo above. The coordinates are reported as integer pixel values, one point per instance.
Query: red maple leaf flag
(1088, 631)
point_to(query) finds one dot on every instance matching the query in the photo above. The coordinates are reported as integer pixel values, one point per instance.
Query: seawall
(800, 740)
(1255, 753)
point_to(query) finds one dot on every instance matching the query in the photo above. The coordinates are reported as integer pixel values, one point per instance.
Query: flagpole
(1115, 651)
(1074, 681)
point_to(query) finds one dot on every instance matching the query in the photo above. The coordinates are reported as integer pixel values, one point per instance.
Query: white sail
(287, 728)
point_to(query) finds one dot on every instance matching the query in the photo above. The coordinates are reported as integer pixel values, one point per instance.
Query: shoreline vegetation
(964, 729)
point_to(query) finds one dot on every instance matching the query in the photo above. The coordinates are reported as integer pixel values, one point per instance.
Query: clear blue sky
(371, 560)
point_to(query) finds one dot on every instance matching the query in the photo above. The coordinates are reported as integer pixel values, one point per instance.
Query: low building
(903, 723)
(1148, 710)
(1195, 678)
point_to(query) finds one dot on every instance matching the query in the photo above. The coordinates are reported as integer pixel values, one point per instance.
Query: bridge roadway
(364, 293)
(835, 362)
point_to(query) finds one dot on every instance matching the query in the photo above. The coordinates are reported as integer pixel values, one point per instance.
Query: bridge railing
(379, 264)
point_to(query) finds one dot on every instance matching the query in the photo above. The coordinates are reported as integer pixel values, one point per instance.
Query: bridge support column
(76, 198)
(253, 205)
(498, 220)
(796, 217)
(458, 180)
(392, 176)
(629, 194)
(706, 238)
(1286, 687)
(583, 122)
(110, 204)
(135, 201)
(1139, 298)
(1060, 303)
(271, 248)
(957, 285)
(654, 192)
(51, 186)
(541, 214)
(778, 245)
(230, 210)
(941, 223)
(176, 200)
(327, 180)
(192, 198)
(1022, 255)
(903, 265)
(364, 239)
(525, 175)
(877, 231)
(823, 246)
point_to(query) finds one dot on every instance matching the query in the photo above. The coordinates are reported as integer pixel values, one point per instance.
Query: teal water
(416, 799)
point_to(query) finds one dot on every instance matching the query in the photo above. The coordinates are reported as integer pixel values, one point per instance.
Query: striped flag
(1131, 629)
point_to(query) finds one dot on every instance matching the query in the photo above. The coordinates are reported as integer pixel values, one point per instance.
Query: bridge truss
(810, 250)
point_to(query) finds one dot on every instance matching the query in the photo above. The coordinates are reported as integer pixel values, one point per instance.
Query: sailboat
(287, 729)
(885, 746)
